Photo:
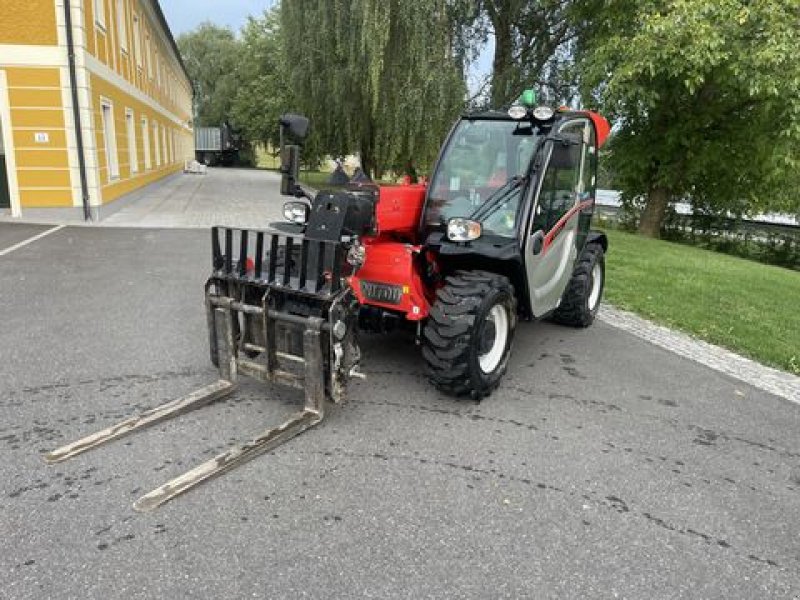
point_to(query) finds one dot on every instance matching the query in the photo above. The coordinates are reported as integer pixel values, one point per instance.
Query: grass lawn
(316, 179)
(319, 179)
(748, 307)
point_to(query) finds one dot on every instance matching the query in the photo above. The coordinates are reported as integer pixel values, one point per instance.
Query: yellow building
(79, 130)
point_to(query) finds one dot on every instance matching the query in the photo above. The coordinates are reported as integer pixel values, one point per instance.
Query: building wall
(132, 68)
(30, 22)
(169, 147)
(124, 58)
(39, 136)
(148, 64)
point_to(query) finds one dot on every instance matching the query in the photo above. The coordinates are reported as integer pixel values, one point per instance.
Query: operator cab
(514, 193)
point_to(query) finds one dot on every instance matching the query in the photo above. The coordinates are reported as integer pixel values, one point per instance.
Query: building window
(100, 13)
(110, 139)
(122, 25)
(149, 56)
(146, 144)
(164, 143)
(137, 40)
(156, 145)
(133, 155)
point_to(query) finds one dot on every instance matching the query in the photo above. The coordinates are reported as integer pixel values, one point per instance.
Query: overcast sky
(183, 15)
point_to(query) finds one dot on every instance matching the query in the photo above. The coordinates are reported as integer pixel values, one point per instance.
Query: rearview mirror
(296, 126)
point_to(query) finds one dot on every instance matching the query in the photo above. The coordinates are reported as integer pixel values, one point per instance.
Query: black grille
(382, 292)
(286, 261)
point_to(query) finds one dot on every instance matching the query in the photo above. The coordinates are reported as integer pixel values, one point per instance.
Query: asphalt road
(604, 467)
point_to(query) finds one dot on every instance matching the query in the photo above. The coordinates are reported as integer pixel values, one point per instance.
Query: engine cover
(399, 209)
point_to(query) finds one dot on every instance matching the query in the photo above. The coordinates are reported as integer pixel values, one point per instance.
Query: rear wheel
(581, 300)
(467, 338)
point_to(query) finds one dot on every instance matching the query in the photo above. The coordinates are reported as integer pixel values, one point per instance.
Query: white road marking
(768, 379)
(39, 236)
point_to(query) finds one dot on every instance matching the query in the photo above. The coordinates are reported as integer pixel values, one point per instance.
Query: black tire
(579, 305)
(457, 333)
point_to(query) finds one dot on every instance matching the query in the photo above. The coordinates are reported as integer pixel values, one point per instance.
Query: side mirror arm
(290, 170)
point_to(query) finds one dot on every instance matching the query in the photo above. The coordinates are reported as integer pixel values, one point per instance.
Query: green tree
(706, 98)
(379, 77)
(262, 94)
(212, 56)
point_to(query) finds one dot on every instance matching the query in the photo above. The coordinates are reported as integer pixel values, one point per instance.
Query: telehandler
(501, 232)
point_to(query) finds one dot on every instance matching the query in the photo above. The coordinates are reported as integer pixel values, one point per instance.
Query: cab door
(550, 248)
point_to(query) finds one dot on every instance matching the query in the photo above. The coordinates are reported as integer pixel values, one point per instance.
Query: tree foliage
(212, 55)
(380, 77)
(706, 98)
(262, 95)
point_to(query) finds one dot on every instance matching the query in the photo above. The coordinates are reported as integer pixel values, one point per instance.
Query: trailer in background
(217, 145)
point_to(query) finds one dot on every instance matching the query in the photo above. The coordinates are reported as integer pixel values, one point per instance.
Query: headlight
(517, 111)
(463, 230)
(296, 212)
(543, 113)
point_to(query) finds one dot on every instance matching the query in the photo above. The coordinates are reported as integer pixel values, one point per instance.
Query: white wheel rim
(491, 359)
(597, 286)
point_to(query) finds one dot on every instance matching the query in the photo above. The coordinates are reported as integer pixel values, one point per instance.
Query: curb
(724, 361)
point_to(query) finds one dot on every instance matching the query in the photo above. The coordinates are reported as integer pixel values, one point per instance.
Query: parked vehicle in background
(217, 145)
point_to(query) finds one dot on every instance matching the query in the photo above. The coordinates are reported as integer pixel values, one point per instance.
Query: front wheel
(467, 338)
(581, 299)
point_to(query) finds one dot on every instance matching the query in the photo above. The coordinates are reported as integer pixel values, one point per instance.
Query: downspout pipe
(76, 112)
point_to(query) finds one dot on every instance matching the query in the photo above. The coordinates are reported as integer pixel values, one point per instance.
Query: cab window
(561, 183)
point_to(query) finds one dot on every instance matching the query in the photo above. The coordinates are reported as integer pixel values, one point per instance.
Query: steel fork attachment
(323, 375)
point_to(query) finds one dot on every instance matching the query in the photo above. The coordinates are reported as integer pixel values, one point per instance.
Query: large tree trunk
(367, 164)
(367, 150)
(654, 212)
(502, 66)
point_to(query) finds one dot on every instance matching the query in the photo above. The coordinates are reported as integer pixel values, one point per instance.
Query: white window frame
(149, 55)
(133, 153)
(109, 139)
(156, 145)
(148, 164)
(99, 7)
(137, 40)
(122, 25)
(164, 144)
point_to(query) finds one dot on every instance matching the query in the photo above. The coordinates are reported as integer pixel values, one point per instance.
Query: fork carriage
(269, 319)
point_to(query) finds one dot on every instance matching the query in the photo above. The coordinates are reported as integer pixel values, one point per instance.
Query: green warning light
(528, 98)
